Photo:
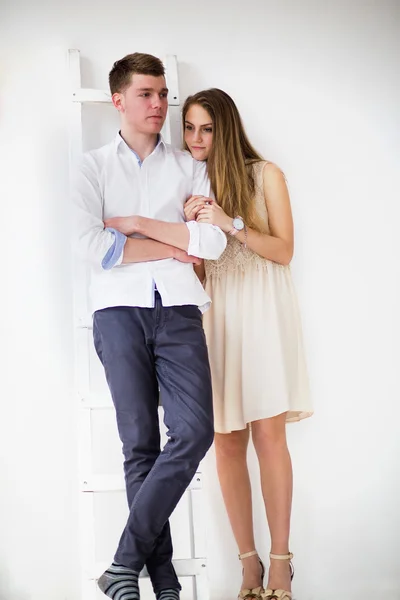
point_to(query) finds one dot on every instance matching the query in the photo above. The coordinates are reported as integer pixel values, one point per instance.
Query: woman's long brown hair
(231, 157)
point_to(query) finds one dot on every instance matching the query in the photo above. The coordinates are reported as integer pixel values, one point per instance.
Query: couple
(156, 223)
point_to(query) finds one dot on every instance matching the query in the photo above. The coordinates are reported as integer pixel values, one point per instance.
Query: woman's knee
(232, 445)
(269, 435)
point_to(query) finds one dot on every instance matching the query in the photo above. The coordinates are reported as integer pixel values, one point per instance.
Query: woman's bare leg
(269, 438)
(231, 453)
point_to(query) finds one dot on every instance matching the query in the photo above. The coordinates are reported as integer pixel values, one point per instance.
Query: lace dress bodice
(236, 257)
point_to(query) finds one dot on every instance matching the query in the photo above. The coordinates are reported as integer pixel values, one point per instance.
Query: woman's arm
(276, 246)
(200, 271)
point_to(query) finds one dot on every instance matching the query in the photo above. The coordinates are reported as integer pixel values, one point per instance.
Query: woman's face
(198, 132)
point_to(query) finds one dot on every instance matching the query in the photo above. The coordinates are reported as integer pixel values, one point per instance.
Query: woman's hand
(212, 213)
(193, 205)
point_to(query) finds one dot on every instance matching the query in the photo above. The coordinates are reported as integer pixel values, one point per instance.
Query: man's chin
(149, 128)
(155, 125)
(155, 129)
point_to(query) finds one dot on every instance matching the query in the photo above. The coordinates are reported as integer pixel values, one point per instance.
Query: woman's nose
(197, 135)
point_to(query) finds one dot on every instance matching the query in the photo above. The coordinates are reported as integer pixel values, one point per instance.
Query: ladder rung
(116, 483)
(92, 96)
(184, 567)
(84, 95)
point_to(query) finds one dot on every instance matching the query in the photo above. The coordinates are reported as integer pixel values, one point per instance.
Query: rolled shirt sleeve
(103, 248)
(115, 253)
(206, 240)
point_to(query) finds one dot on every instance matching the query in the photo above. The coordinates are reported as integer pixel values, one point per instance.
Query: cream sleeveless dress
(254, 335)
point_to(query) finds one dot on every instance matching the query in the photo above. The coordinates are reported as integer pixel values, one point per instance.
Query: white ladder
(96, 409)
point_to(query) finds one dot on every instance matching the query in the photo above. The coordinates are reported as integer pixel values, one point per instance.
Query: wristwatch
(237, 225)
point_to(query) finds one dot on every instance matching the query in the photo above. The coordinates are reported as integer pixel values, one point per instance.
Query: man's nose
(156, 101)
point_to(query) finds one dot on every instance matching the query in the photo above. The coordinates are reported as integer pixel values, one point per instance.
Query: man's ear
(118, 101)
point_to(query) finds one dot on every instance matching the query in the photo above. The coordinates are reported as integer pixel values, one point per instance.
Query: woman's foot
(252, 572)
(280, 572)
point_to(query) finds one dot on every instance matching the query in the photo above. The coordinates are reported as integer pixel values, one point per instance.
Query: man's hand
(193, 205)
(184, 257)
(126, 225)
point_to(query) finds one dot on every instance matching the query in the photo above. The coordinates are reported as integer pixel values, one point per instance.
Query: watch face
(238, 223)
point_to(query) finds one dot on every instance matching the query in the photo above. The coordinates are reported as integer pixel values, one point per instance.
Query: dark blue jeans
(142, 350)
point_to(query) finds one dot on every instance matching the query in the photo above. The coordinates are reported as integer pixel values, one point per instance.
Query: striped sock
(169, 594)
(120, 582)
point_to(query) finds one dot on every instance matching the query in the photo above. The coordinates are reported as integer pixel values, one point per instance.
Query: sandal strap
(247, 554)
(281, 556)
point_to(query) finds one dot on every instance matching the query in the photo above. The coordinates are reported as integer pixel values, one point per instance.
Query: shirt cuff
(115, 253)
(194, 238)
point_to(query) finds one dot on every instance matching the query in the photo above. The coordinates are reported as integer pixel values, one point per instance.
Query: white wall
(317, 84)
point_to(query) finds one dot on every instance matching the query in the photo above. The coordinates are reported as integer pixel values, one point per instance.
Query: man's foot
(170, 594)
(120, 581)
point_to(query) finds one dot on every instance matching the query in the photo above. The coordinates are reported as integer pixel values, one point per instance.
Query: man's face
(144, 103)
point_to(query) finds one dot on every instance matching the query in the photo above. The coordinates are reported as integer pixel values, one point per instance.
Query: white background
(317, 84)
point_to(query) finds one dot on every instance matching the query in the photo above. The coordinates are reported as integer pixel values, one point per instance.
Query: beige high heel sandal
(254, 593)
(280, 594)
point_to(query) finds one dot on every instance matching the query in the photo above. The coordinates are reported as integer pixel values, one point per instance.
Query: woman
(253, 331)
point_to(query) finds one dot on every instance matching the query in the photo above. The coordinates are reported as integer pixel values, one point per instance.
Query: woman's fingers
(205, 211)
(192, 206)
(197, 205)
(192, 200)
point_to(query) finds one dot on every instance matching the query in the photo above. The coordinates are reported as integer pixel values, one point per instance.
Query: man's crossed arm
(108, 244)
(189, 242)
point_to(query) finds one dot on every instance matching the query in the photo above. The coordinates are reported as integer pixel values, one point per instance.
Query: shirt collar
(119, 141)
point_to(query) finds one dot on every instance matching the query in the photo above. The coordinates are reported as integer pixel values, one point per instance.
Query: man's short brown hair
(143, 64)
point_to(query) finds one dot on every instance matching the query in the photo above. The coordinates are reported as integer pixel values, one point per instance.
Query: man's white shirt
(113, 182)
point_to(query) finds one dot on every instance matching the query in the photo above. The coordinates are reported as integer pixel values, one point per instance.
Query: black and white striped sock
(120, 581)
(170, 594)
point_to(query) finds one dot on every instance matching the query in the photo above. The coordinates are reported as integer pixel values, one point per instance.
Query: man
(147, 324)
